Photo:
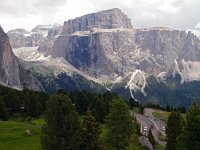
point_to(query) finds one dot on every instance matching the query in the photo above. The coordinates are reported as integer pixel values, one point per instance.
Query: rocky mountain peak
(9, 69)
(107, 19)
(18, 31)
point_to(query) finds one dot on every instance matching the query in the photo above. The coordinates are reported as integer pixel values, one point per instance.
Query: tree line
(65, 129)
(75, 120)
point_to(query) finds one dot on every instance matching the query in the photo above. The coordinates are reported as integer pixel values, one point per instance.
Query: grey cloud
(177, 3)
(19, 8)
(187, 16)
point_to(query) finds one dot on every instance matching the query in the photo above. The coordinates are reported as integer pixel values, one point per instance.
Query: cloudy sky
(178, 14)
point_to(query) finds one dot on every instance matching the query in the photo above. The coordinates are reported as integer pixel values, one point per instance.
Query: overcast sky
(178, 14)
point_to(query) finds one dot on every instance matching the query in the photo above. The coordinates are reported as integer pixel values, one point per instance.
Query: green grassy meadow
(13, 135)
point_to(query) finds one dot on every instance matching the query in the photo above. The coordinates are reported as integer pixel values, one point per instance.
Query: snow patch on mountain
(97, 30)
(137, 82)
(177, 70)
(31, 54)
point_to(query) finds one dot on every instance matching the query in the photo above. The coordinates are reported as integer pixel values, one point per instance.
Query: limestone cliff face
(162, 44)
(99, 44)
(12, 73)
(9, 68)
(101, 54)
(108, 19)
(40, 36)
(108, 53)
(168, 46)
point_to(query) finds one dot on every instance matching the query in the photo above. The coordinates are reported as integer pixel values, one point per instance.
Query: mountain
(108, 19)
(33, 70)
(12, 74)
(121, 48)
(105, 48)
(39, 36)
(55, 73)
(120, 55)
(9, 67)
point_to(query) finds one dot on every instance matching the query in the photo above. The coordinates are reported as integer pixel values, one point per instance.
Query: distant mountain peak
(9, 69)
(106, 19)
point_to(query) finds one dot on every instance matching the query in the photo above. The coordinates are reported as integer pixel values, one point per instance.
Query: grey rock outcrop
(17, 38)
(168, 48)
(108, 19)
(107, 53)
(9, 67)
(101, 54)
(12, 73)
(40, 36)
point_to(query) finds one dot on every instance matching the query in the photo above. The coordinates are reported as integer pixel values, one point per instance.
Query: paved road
(159, 124)
(146, 122)
(144, 141)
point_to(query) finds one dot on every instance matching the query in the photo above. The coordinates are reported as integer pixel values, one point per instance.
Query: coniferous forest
(82, 120)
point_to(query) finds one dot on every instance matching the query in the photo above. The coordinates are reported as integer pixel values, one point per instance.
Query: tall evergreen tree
(151, 138)
(62, 129)
(119, 124)
(174, 127)
(4, 114)
(12, 102)
(91, 133)
(33, 106)
(99, 111)
(190, 136)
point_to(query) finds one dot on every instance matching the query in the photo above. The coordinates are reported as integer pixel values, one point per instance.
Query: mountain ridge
(106, 47)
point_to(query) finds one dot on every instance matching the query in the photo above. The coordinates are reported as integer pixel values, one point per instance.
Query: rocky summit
(108, 19)
(9, 68)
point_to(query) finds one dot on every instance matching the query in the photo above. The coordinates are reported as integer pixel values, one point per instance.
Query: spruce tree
(91, 133)
(151, 138)
(174, 127)
(190, 136)
(33, 107)
(62, 129)
(4, 114)
(119, 124)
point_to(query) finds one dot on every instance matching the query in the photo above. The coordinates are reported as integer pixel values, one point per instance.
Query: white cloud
(179, 14)
(28, 22)
(196, 30)
(72, 9)
(197, 26)
(167, 8)
(148, 15)
(127, 3)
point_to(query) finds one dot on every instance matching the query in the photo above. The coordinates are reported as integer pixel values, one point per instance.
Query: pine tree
(33, 107)
(12, 102)
(99, 111)
(91, 133)
(190, 136)
(174, 127)
(62, 129)
(119, 124)
(151, 138)
(4, 114)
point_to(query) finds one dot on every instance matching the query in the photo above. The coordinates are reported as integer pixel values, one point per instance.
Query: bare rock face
(17, 37)
(168, 47)
(163, 44)
(40, 36)
(9, 68)
(101, 54)
(105, 46)
(99, 44)
(108, 19)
